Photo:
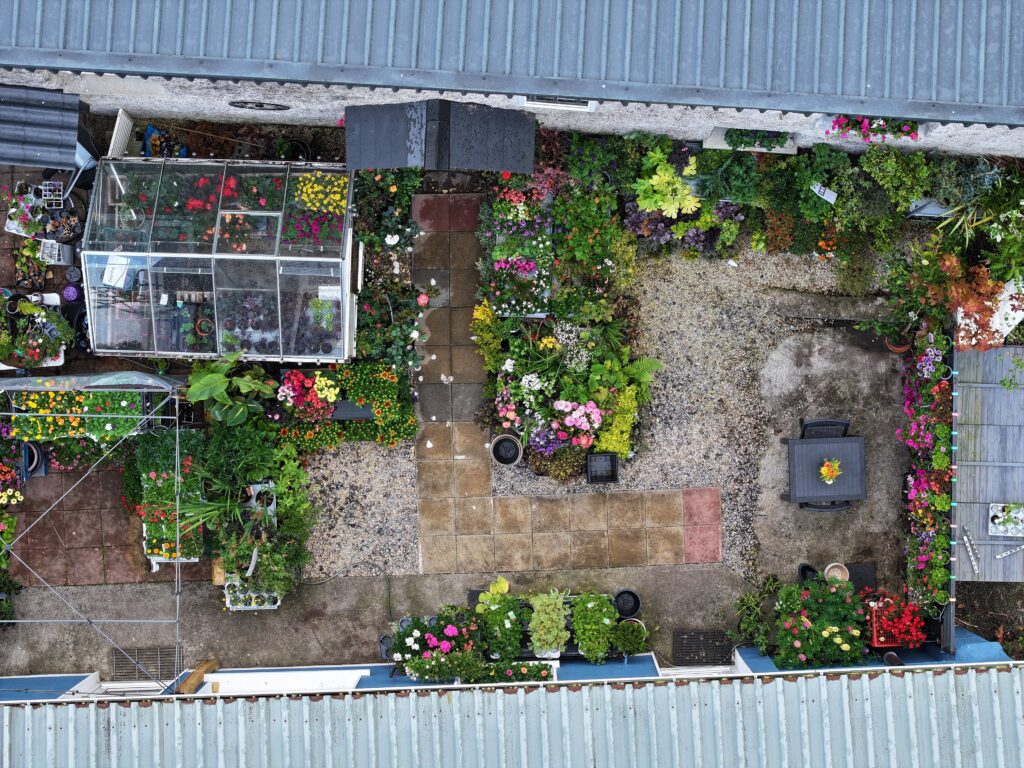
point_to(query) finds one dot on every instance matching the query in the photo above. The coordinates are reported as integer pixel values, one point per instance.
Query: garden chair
(835, 506)
(818, 428)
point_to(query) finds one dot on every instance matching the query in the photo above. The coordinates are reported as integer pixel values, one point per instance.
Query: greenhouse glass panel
(311, 309)
(247, 307)
(120, 312)
(194, 259)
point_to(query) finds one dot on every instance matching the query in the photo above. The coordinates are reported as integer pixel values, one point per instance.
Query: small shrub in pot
(629, 637)
(548, 635)
(593, 617)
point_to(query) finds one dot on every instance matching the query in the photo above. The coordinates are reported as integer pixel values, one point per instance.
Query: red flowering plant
(894, 620)
(308, 401)
(819, 623)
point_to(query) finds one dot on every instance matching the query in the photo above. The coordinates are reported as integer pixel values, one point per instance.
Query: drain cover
(146, 663)
(701, 648)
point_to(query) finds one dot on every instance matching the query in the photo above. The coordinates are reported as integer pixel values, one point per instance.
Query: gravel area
(368, 514)
(713, 327)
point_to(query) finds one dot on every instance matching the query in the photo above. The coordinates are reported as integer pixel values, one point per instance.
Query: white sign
(329, 292)
(824, 193)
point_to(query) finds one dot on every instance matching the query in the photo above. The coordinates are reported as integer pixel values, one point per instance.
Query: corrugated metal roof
(924, 59)
(967, 717)
(38, 127)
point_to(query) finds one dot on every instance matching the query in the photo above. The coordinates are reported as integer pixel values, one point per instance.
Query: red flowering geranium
(894, 620)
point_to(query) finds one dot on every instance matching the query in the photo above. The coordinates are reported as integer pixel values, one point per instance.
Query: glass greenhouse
(194, 259)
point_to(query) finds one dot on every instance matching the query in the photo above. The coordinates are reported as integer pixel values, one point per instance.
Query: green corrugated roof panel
(925, 59)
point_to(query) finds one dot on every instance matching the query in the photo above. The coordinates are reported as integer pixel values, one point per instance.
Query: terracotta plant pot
(837, 571)
(899, 348)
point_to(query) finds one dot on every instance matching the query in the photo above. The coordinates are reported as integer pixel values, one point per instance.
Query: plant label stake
(1009, 552)
(824, 193)
(972, 552)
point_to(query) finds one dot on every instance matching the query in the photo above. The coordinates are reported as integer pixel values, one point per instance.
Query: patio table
(805, 459)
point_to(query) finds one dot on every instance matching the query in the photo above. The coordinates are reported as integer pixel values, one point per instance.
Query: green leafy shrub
(740, 138)
(615, 436)
(755, 614)
(547, 624)
(727, 176)
(502, 618)
(232, 396)
(9, 587)
(905, 176)
(629, 637)
(661, 188)
(820, 623)
(593, 617)
(564, 464)
(820, 166)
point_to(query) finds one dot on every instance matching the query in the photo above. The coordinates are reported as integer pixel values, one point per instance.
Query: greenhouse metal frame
(166, 391)
(269, 277)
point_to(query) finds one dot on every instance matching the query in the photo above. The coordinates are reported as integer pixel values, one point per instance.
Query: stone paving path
(463, 529)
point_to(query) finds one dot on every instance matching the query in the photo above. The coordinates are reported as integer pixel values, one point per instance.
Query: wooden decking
(989, 435)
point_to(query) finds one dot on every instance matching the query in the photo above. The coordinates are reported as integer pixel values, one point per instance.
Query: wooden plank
(192, 683)
(990, 443)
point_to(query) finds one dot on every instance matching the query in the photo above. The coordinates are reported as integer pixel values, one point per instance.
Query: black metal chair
(835, 506)
(818, 428)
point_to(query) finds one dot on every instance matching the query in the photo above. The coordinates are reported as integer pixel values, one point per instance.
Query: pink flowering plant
(819, 624)
(871, 129)
(455, 630)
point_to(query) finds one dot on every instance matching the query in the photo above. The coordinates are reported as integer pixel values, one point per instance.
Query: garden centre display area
(224, 264)
(195, 259)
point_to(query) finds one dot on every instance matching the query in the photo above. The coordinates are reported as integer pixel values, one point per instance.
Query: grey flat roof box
(439, 135)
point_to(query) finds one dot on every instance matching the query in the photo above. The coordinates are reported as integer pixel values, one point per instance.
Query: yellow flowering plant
(323, 192)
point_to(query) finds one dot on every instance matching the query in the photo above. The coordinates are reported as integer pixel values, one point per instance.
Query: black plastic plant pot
(507, 450)
(602, 468)
(627, 603)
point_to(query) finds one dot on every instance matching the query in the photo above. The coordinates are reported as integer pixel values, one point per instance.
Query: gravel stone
(366, 495)
(713, 327)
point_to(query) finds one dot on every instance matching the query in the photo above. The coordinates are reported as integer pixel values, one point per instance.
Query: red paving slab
(124, 565)
(431, 212)
(120, 527)
(702, 544)
(41, 531)
(465, 212)
(83, 528)
(702, 506)
(49, 564)
(85, 566)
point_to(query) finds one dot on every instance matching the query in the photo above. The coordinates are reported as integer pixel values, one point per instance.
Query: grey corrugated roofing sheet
(967, 717)
(947, 60)
(38, 127)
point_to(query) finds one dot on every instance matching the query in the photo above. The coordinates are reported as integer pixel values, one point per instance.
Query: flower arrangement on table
(819, 623)
(829, 471)
(894, 620)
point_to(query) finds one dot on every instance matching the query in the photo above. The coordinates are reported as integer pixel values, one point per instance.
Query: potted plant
(629, 637)
(204, 326)
(502, 616)
(593, 616)
(894, 621)
(548, 633)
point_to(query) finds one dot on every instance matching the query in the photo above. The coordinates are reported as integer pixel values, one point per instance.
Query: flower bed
(820, 623)
(554, 305)
(309, 399)
(928, 405)
(488, 644)
(101, 416)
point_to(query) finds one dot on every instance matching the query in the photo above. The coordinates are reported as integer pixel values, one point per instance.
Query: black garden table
(805, 459)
